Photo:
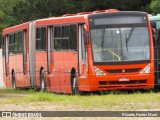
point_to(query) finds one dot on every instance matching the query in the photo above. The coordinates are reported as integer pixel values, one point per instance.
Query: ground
(39, 101)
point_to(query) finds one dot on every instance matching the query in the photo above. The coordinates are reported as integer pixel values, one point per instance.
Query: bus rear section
(119, 52)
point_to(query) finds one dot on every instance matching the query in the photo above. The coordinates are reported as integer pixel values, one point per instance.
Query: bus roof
(16, 28)
(60, 20)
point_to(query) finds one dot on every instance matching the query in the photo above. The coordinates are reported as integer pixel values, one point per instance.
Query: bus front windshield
(120, 44)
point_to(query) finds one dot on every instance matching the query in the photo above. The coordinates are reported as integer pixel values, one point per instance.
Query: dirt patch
(38, 106)
(32, 106)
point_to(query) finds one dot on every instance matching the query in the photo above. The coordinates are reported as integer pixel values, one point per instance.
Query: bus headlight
(98, 71)
(146, 69)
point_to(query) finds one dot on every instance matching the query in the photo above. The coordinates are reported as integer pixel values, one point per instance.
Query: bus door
(6, 58)
(25, 57)
(49, 50)
(54, 84)
(83, 62)
(157, 58)
(32, 66)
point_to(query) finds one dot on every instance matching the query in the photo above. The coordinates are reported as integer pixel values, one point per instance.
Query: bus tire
(75, 89)
(13, 81)
(43, 81)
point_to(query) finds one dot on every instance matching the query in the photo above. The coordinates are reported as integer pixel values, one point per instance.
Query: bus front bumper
(118, 82)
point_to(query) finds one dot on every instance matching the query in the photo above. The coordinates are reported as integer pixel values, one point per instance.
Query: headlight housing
(147, 69)
(98, 71)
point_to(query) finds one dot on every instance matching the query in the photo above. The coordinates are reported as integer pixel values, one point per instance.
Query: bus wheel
(13, 81)
(75, 89)
(43, 81)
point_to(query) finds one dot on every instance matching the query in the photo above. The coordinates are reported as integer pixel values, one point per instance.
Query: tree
(155, 6)
(28, 10)
(125, 5)
(6, 19)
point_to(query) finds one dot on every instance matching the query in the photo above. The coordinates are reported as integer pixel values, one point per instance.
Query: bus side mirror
(86, 34)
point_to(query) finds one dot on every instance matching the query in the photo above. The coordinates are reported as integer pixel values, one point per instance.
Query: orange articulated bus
(89, 51)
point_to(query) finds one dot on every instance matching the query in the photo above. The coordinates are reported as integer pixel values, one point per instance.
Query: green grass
(109, 101)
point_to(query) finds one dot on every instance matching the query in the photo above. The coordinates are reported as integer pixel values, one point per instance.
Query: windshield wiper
(129, 36)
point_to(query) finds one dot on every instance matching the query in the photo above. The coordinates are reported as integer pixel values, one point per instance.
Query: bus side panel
(21, 78)
(27, 74)
(70, 61)
(63, 64)
(83, 83)
(19, 70)
(41, 62)
(13, 61)
(58, 64)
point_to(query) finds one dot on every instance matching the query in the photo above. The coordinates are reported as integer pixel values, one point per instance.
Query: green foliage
(125, 5)
(155, 6)
(6, 10)
(13, 12)
(27, 10)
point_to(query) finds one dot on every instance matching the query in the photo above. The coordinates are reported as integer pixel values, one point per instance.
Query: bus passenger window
(41, 39)
(20, 42)
(57, 44)
(16, 50)
(65, 44)
(57, 38)
(38, 39)
(65, 37)
(73, 35)
(11, 43)
(65, 31)
(57, 32)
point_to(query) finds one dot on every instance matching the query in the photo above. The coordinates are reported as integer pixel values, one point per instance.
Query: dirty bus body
(89, 51)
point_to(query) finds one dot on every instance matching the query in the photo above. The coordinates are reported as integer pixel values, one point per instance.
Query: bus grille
(124, 70)
(128, 82)
(122, 82)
